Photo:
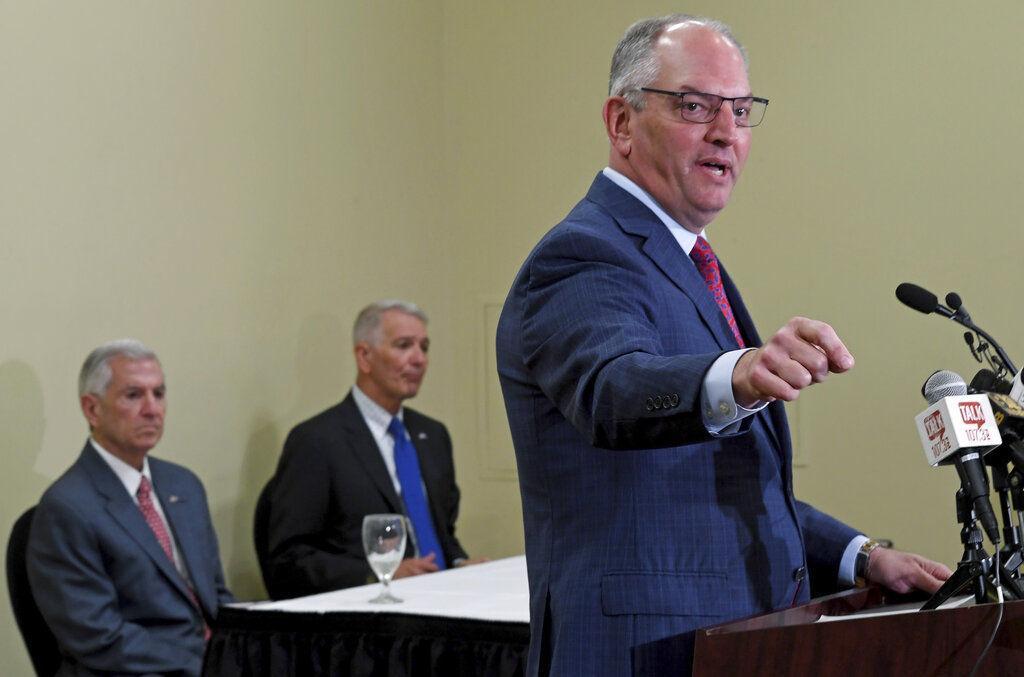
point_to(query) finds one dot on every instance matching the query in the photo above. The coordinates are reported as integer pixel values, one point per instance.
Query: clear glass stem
(385, 596)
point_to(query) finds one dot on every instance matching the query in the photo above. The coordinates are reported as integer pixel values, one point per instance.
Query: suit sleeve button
(650, 404)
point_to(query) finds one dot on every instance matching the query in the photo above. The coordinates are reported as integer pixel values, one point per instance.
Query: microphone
(1008, 413)
(956, 304)
(959, 428)
(923, 301)
(1009, 416)
(986, 381)
(1017, 387)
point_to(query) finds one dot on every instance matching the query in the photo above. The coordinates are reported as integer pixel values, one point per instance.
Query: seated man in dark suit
(122, 557)
(366, 455)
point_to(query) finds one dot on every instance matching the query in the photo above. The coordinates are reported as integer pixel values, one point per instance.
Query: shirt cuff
(718, 407)
(847, 573)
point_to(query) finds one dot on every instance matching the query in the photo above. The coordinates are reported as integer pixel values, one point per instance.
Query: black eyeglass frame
(731, 99)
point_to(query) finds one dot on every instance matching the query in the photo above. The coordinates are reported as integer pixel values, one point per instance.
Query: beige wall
(230, 182)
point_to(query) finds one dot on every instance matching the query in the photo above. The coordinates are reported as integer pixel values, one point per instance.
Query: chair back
(42, 645)
(261, 537)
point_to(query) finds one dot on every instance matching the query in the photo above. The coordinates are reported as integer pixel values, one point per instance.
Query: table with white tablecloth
(466, 620)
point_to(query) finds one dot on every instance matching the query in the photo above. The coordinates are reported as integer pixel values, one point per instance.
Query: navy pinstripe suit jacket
(639, 524)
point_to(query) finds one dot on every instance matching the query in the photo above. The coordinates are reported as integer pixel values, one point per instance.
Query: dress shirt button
(650, 404)
(725, 409)
(799, 574)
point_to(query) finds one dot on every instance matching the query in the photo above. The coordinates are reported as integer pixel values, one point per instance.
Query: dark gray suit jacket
(330, 475)
(113, 599)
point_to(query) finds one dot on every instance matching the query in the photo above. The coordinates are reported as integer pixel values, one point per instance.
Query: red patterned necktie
(707, 265)
(145, 496)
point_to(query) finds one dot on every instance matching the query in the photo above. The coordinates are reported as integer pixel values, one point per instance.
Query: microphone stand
(959, 314)
(1015, 487)
(975, 566)
(1011, 555)
(1011, 551)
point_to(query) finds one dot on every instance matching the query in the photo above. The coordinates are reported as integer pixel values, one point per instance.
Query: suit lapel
(364, 448)
(636, 219)
(658, 244)
(127, 514)
(778, 429)
(184, 521)
(739, 309)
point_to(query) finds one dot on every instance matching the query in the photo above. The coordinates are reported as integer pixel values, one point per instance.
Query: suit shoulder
(77, 479)
(421, 420)
(307, 442)
(171, 468)
(586, 221)
(327, 419)
(179, 474)
(68, 489)
(72, 500)
(586, 235)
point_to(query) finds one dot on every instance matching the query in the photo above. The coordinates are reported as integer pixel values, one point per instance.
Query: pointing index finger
(823, 337)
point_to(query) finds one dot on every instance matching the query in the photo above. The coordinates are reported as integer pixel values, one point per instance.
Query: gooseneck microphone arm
(923, 301)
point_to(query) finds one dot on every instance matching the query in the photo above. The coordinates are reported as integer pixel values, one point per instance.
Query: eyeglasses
(702, 108)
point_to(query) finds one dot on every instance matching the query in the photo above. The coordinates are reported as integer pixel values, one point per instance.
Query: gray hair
(635, 65)
(96, 373)
(368, 321)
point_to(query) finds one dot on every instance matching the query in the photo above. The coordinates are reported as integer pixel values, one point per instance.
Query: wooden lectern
(792, 642)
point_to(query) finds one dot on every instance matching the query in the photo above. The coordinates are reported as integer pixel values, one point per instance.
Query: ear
(617, 115)
(90, 408)
(362, 354)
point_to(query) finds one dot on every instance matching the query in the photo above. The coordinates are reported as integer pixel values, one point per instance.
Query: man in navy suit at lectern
(653, 451)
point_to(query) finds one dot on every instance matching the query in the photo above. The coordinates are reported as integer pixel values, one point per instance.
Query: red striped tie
(152, 517)
(707, 265)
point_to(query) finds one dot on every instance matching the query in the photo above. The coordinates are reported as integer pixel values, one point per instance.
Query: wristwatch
(862, 562)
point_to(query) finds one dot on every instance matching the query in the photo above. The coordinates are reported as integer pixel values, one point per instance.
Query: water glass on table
(384, 538)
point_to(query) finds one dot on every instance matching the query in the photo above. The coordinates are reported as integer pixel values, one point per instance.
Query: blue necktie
(408, 466)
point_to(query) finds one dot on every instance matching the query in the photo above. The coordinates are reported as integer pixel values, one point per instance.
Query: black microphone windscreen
(985, 381)
(918, 298)
(953, 300)
(943, 383)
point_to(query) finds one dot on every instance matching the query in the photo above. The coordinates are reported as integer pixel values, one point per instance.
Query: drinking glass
(384, 543)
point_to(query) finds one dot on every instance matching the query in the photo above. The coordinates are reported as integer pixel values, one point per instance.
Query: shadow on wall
(261, 452)
(22, 425)
(321, 351)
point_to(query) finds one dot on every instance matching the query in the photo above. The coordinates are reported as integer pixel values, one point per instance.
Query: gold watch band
(861, 565)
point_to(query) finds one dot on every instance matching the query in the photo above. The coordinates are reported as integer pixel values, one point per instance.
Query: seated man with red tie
(368, 454)
(122, 557)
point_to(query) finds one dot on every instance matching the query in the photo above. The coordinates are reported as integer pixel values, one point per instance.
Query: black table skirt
(275, 643)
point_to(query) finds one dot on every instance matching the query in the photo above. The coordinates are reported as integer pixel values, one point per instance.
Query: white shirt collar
(377, 417)
(129, 476)
(685, 238)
